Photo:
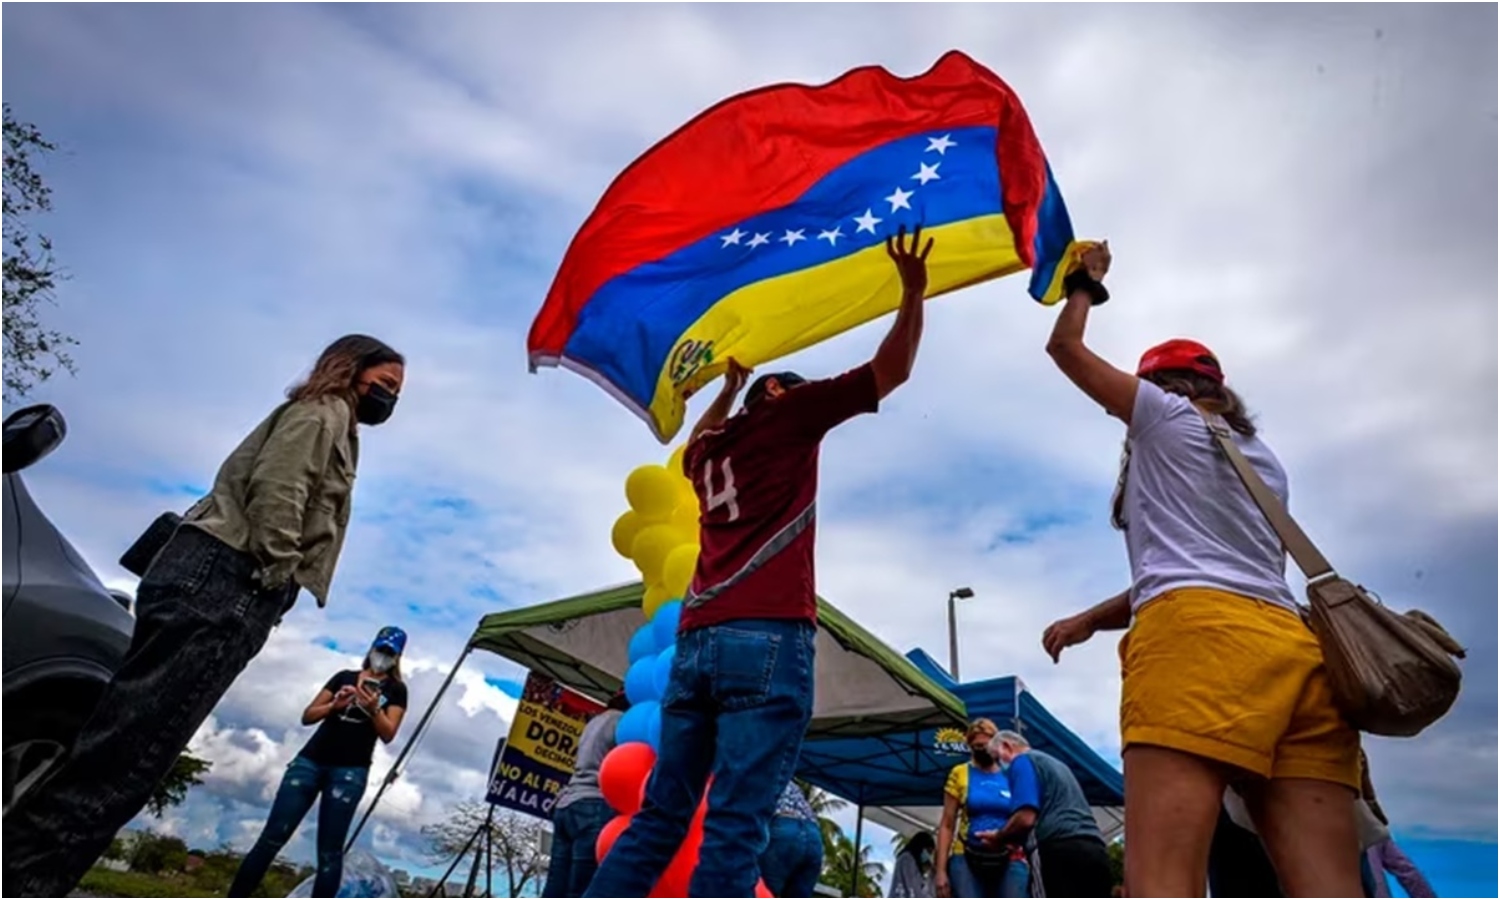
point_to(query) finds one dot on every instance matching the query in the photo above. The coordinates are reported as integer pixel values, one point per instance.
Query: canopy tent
(904, 772)
(884, 727)
(864, 688)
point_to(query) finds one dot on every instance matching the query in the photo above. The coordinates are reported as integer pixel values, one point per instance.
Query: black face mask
(375, 405)
(983, 758)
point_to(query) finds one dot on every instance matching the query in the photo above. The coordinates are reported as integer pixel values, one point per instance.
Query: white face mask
(382, 661)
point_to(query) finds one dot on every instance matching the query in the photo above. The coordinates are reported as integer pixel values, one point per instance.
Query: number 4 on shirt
(726, 495)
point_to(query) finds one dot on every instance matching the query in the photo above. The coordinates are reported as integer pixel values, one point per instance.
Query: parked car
(64, 633)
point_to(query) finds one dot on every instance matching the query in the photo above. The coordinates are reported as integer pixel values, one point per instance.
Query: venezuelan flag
(758, 228)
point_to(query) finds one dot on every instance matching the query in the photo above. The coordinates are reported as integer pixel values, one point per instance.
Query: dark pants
(793, 860)
(988, 875)
(199, 621)
(575, 831)
(341, 788)
(1238, 865)
(1075, 867)
(737, 707)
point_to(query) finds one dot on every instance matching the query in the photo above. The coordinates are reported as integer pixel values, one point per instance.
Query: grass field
(107, 883)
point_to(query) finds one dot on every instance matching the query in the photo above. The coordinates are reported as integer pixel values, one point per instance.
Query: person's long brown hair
(1210, 396)
(338, 368)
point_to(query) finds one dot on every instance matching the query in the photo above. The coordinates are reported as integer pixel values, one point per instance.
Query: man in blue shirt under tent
(1052, 816)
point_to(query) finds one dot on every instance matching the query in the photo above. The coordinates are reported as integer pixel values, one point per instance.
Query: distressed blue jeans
(341, 788)
(736, 707)
(793, 860)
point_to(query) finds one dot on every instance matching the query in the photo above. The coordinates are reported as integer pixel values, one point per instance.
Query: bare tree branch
(32, 351)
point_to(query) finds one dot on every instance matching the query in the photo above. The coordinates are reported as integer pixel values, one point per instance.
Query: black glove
(1080, 280)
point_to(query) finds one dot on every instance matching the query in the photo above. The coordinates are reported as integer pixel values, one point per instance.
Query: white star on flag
(791, 237)
(732, 237)
(867, 222)
(899, 200)
(759, 239)
(941, 144)
(831, 236)
(927, 173)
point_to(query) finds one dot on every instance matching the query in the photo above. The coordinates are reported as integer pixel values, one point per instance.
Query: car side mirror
(30, 434)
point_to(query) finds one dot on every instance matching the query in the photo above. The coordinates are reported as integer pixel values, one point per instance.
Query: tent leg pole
(859, 836)
(411, 743)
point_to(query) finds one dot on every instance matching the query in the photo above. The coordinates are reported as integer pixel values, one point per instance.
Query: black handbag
(138, 559)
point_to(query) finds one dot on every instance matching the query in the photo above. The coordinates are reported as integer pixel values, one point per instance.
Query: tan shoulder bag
(1393, 674)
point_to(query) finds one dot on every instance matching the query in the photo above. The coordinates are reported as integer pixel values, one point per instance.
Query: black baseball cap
(758, 388)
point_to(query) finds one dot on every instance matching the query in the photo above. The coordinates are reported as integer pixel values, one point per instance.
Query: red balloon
(761, 890)
(608, 835)
(623, 774)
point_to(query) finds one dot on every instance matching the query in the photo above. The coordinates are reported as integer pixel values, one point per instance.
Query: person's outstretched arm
(718, 412)
(1111, 615)
(892, 363)
(1108, 386)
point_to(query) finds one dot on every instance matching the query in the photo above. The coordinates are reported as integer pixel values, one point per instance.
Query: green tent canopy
(863, 686)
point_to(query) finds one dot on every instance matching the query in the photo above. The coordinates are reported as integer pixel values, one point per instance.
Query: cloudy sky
(1310, 190)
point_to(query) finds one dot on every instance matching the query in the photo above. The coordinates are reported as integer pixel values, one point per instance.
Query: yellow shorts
(1236, 680)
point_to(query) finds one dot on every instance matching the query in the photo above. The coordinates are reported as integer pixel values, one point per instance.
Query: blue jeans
(200, 618)
(341, 788)
(736, 707)
(1012, 880)
(575, 831)
(793, 860)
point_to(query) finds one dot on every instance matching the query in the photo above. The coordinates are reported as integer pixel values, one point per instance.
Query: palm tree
(838, 850)
(840, 863)
(823, 805)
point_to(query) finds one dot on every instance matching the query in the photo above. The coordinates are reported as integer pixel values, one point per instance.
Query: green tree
(838, 849)
(32, 351)
(118, 850)
(186, 772)
(1117, 862)
(838, 867)
(823, 805)
(153, 853)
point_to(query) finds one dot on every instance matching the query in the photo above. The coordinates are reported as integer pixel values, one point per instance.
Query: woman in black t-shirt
(353, 709)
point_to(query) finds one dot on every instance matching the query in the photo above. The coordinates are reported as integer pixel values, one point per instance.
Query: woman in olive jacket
(273, 524)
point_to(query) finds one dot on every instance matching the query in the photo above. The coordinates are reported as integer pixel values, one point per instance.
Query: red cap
(1181, 354)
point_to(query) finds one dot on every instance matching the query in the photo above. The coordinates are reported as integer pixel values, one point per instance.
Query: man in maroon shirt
(741, 691)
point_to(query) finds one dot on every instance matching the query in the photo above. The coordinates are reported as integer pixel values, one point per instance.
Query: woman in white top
(1223, 683)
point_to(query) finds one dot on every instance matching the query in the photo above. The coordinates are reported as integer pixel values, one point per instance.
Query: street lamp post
(962, 593)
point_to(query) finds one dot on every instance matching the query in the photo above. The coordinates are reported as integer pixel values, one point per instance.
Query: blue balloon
(643, 643)
(636, 724)
(663, 672)
(640, 681)
(653, 729)
(664, 625)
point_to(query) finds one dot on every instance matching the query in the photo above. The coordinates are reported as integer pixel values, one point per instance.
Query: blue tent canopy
(908, 769)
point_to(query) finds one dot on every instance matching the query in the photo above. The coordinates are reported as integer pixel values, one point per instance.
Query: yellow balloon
(651, 547)
(656, 595)
(624, 532)
(678, 568)
(651, 491)
(674, 462)
(685, 516)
